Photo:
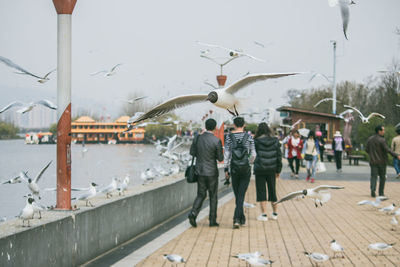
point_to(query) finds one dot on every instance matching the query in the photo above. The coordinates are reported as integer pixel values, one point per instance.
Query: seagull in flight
(319, 194)
(320, 75)
(32, 183)
(342, 115)
(23, 71)
(365, 119)
(133, 100)
(108, 73)
(344, 11)
(290, 126)
(232, 52)
(325, 100)
(14, 180)
(28, 107)
(224, 98)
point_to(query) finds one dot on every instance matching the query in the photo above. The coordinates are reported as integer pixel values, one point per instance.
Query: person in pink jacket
(295, 145)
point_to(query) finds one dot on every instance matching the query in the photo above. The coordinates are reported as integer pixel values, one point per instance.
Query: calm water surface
(99, 164)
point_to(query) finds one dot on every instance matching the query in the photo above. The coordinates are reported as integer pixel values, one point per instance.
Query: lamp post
(334, 79)
(64, 10)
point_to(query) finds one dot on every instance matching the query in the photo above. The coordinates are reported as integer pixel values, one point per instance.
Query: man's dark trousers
(240, 182)
(378, 170)
(338, 159)
(204, 184)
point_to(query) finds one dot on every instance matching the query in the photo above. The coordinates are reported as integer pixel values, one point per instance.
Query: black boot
(192, 220)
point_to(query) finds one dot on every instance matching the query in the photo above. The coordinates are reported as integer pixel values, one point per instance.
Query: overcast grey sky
(155, 41)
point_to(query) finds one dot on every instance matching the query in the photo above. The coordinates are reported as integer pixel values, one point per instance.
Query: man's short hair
(211, 124)
(398, 130)
(378, 128)
(238, 121)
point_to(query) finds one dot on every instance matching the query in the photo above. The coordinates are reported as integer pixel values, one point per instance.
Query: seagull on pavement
(30, 106)
(394, 223)
(32, 183)
(174, 258)
(388, 209)
(337, 248)
(365, 119)
(224, 98)
(253, 261)
(317, 257)
(108, 73)
(11, 64)
(380, 247)
(244, 256)
(325, 100)
(319, 194)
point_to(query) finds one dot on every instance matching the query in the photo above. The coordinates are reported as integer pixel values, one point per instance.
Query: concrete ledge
(75, 237)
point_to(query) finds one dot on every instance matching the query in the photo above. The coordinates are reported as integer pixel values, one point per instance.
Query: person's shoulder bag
(190, 173)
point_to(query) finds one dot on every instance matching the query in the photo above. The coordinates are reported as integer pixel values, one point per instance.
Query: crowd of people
(264, 150)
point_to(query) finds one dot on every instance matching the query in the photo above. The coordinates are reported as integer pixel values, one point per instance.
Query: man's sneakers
(236, 225)
(292, 174)
(296, 176)
(263, 217)
(373, 194)
(274, 216)
(214, 224)
(192, 220)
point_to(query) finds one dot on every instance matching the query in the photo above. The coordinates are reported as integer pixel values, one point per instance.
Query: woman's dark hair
(311, 134)
(263, 129)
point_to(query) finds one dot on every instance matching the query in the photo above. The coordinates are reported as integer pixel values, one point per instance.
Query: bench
(355, 158)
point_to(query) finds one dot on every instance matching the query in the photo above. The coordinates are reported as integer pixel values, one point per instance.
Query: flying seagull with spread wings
(290, 126)
(324, 100)
(365, 119)
(108, 73)
(319, 194)
(23, 71)
(232, 52)
(342, 115)
(133, 100)
(224, 98)
(28, 107)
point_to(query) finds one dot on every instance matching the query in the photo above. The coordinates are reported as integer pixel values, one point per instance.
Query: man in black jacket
(378, 149)
(207, 149)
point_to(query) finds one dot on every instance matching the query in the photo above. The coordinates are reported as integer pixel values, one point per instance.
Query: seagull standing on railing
(365, 119)
(27, 212)
(11, 64)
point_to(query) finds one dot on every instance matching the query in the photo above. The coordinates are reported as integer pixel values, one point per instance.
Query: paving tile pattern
(300, 227)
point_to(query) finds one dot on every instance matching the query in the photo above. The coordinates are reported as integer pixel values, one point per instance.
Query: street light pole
(64, 10)
(334, 78)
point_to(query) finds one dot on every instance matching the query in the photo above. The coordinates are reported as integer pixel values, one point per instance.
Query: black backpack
(240, 154)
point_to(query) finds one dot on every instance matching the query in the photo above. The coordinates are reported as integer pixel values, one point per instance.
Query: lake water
(99, 164)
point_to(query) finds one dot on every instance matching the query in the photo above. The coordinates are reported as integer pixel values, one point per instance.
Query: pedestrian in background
(311, 152)
(396, 148)
(321, 142)
(377, 149)
(239, 153)
(267, 168)
(295, 145)
(338, 147)
(208, 150)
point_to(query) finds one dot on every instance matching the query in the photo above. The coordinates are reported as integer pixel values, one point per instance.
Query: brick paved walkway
(300, 227)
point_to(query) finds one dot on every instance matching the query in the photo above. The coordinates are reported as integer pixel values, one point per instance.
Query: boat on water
(39, 138)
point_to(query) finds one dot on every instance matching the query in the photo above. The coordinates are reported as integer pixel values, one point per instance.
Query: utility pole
(334, 78)
(64, 10)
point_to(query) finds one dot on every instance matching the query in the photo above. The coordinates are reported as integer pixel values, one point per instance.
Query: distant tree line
(8, 130)
(379, 94)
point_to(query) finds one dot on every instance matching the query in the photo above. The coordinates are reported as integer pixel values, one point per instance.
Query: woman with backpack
(267, 167)
(311, 153)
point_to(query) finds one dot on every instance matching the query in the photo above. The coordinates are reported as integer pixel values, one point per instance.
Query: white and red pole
(64, 10)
